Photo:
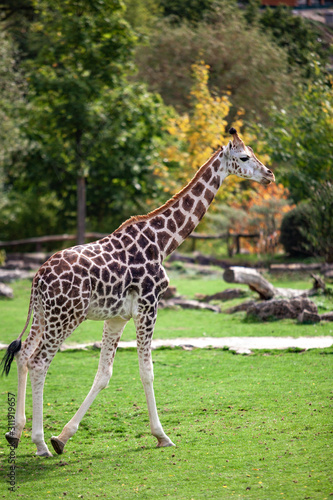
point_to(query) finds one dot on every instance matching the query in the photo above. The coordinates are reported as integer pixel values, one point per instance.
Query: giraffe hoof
(164, 444)
(13, 441)
(57, 445)
(44, 454)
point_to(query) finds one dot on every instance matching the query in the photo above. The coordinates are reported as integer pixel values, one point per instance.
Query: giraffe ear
(227, 149)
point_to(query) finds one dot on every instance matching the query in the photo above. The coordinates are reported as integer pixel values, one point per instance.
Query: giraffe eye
(244, 158)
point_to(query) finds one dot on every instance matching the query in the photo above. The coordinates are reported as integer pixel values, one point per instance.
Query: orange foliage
(265, 208)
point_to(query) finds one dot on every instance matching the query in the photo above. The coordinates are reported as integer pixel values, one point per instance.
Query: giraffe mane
(171, 201)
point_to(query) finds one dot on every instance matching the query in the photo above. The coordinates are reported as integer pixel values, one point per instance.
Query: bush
(320, 233)
(294, 225)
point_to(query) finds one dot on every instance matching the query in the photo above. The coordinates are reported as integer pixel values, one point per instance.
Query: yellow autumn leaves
(195, 136)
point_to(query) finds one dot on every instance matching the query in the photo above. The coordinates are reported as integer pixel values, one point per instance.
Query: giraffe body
(114, 279)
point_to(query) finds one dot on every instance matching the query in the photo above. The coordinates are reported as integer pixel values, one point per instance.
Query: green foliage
(11, 101)
(295, 34)
(190, 10)
(15, 18)
(84, 120)
(142, 15)
(319, 232)
(25, 214)
(295, 225)
(300, 140)
(243, 61)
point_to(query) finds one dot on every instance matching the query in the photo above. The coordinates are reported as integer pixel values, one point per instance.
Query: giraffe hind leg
(111, 335)
(22, 358)
(38, 367)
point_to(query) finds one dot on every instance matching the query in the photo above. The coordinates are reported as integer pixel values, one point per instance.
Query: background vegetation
(108, 108)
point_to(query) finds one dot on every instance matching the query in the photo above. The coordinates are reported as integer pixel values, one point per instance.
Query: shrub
(295, 225)
(320, 233)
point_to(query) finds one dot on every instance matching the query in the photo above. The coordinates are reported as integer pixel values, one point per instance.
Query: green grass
(250, 427)
(177, 323)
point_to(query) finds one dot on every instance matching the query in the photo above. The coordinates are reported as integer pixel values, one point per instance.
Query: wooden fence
(38, 241)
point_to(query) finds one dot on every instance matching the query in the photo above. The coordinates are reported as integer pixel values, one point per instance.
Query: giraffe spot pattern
(209, 195)
(188, 203)
(179, 218)
(207, 175)
(198, 189)
(199, 210)
(187, 229)
(215, 182)
(216, 165)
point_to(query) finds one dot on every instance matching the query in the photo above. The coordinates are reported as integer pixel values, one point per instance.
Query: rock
(279, 309)
(6, 291)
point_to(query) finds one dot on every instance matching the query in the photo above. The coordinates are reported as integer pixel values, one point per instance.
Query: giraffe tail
(16, 345)
(12, 349)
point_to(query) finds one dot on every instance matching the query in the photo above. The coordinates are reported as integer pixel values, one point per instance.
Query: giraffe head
(241, 161)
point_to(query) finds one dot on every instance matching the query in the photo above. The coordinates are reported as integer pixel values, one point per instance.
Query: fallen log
(188, 304)
(259, 284)
(244, 306)
(252, 278)
(283, 308)
(229, 294)
(6, 291)
(327, 316)
(295, 267)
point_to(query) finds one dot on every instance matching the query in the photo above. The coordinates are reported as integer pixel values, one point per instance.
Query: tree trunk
(81, 210)
(259, 284)
(250, 277)
(81, 191)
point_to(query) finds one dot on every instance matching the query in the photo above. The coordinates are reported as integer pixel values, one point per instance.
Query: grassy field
(250, 427)
(179, 323)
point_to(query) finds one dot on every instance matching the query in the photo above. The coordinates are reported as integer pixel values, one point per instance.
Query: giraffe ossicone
(114, 279)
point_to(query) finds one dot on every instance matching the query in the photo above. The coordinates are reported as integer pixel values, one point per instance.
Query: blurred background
(109, 107)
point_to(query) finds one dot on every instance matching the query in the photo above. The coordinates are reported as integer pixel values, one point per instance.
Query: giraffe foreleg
(111, 336)
(144, 329)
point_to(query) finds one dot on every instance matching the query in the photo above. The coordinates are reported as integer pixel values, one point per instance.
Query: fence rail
(39, 240)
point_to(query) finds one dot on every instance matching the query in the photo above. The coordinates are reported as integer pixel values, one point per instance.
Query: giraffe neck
(173, 222)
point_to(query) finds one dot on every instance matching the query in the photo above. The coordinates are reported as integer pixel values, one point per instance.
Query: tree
(11, 104)
(300, 38)
(242, 60)
(195, 136)
(190, 10)
(300, 140)
(85, 121)
(266, 208)
(319, 232)
(81, 50)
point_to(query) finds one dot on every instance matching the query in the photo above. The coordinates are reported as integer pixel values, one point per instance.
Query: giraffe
(114, 279)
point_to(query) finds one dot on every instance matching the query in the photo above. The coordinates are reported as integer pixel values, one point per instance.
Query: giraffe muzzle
(268, 179)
